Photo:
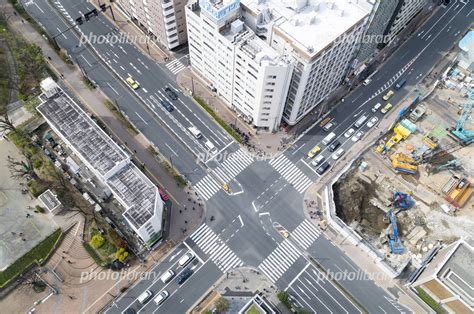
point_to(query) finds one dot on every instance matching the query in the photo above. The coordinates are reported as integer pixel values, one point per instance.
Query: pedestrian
(49, 58)
(180, 211)
(186, 222)
(23, 22)
(194, 208)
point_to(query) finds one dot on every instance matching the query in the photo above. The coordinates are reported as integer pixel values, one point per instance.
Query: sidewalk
(137, 144)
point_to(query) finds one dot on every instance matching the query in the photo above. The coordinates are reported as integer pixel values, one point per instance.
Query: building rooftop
(137, 193)
(49, 200)
(457, 274)
(310, 24)
(82, 133)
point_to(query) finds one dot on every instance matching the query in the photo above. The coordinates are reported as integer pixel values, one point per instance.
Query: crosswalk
(291, 173)
(210, 243)
(235, 163)
(175, 66)
(279, 261)
(207, 187)
(305, 234)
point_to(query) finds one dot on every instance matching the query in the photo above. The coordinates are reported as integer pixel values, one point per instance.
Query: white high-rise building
(274, 59)
(162, 20)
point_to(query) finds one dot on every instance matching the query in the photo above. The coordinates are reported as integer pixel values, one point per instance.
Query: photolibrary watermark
(358, 275)
(113, 39)
(131, 276)
(234, 156)
(365, 39)
(124, 274)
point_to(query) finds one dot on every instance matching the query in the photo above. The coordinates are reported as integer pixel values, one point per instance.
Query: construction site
(412, 190)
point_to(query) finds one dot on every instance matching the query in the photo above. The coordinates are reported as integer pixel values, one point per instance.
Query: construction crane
(466, 137)
(394, 242)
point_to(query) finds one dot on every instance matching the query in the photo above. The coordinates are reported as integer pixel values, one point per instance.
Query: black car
(171, 94)
(323, 168)
(168, 106)
(334, 145)
(185, 274)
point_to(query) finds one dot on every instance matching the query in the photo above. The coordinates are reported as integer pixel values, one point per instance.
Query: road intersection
(271, 192)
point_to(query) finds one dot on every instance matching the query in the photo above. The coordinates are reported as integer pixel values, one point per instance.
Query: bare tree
(6, 124)
(20, 169)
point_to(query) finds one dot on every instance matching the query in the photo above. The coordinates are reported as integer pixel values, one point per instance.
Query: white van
(210, 147)
(167, 276)
(360, 121)
(328, 139)
(145, 296)
(195, 132)
(338, 154)
(183, 261)
(317, 161)
(161, 297)
(376, 107)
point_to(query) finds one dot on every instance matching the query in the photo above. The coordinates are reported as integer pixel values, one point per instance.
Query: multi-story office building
(273, 59)
(406, 10)
(447, 277)
(377, 27)
(164, 20)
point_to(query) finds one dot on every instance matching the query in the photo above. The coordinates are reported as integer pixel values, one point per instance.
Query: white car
(338, 154)
(349, 133)
(372, 122)
(357, 137)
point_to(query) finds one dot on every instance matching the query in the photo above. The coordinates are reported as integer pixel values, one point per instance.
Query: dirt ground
(363, 197)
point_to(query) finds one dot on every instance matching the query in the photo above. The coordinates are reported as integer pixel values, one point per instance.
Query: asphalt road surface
(265, 195)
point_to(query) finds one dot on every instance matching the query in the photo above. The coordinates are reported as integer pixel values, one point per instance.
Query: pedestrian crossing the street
(291, 173)
(207, 187)
(236, 162)
(305, 234)
(228, 170)
(175, 66)
(219, 253)
(279, 261)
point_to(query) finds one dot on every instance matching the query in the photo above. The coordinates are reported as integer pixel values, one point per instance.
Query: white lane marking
(112, 88)
(297, 276)
(171, 149)
(144, 121)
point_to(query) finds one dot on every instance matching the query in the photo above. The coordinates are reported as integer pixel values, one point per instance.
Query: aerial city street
(236, 156)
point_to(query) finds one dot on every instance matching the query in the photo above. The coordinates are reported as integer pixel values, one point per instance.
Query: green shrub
(121, 254)
(97, 241)
(40, 209)
(430, 301)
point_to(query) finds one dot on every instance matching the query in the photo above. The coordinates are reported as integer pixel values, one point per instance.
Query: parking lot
(19, 233)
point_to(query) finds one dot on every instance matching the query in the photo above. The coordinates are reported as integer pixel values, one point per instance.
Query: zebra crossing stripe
(279, 261)
(291, 173)
(219, 253)
(305, 234)
(207, 187)
(175, 66)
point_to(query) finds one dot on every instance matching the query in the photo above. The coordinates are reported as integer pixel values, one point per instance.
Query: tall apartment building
(276, 59)
(249, 76)
(164, 20)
